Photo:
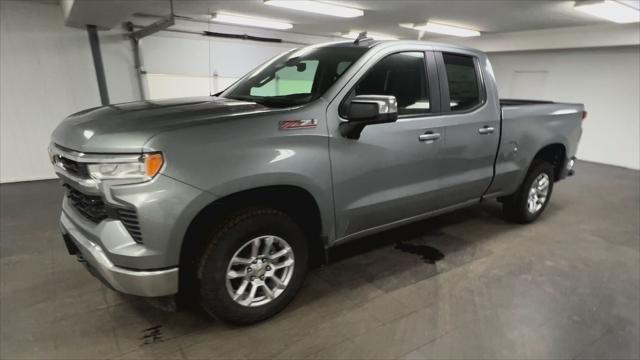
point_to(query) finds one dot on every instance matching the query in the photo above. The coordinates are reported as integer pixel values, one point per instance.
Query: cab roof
(370, 43)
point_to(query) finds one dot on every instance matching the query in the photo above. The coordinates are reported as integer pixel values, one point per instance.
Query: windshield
(296, 77)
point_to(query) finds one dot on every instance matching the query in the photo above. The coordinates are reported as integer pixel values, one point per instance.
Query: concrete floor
(463, 285)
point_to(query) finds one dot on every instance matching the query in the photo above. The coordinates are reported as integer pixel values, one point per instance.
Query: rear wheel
(253, 267)
(533, 196)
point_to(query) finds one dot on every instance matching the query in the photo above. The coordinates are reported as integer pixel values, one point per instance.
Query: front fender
(226, 157)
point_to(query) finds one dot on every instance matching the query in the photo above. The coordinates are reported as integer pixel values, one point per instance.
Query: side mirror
(365, 110)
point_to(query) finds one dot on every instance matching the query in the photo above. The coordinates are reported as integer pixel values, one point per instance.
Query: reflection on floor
(462, 285)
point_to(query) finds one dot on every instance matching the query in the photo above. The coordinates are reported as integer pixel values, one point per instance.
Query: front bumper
(149, 283)
(128, 234)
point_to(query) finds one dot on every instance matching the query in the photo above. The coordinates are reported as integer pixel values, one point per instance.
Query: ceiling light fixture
(250, 21)
(376, 36)
(442, 29)
(619, 12)
(317, 7)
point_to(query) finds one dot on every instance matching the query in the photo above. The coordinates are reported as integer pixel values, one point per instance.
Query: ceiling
(488, 16)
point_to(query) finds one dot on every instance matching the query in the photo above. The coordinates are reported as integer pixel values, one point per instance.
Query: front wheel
(253, 267)
(532, 197)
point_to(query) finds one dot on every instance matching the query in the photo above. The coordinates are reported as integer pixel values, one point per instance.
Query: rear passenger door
(472, 129)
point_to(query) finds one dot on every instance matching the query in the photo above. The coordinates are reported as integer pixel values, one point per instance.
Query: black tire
(514, 207)
(229, 237)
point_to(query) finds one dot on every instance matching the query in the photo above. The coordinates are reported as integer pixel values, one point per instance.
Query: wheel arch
(555, 153)
(293, 200)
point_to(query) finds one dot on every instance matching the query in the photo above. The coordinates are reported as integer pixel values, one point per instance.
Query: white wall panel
(234, 59)
(183, 58)
(606, 80)
(121, 76)
(195, 56)
(46, 73)
(175, 55)
(529, 84)
(167, 86)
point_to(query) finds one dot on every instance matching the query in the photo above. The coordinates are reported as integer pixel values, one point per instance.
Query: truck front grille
(73, 167)
(94, 209)
(129, 219)
(91, 207)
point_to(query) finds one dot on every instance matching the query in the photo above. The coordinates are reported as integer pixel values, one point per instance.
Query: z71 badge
(298, 124)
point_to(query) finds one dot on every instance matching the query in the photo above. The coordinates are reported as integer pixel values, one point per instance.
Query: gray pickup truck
(228, 199)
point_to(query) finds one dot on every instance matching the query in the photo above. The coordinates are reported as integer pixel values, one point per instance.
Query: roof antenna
(362, 37)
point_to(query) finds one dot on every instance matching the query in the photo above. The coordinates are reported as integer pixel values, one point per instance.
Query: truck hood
(125, 128)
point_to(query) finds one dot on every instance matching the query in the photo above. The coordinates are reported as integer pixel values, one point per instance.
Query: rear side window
(402, 75)
(464, 89)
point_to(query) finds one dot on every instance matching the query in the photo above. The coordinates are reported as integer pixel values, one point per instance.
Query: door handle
(486, 130)
(429, 136)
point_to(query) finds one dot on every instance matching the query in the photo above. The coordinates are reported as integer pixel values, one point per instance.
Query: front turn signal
(152, 164)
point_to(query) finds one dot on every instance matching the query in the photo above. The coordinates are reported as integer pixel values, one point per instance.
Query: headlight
(144, 169)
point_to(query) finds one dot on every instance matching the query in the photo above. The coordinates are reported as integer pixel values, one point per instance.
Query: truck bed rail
(516, 102)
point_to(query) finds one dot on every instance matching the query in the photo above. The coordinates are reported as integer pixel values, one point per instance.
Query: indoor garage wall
(38, 55)
(190, 65)
(181, 66)
(47, 73)
(604, 79)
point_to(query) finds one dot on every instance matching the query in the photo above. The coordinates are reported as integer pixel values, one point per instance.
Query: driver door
(390, 174)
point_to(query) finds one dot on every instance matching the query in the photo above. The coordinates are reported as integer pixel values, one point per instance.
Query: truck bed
(528, 126)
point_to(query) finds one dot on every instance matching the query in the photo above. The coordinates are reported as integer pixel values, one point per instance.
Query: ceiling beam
(153, 28)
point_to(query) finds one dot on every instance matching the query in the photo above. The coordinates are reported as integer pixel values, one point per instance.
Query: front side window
(464, 90)
(296, 77)
(402, 75)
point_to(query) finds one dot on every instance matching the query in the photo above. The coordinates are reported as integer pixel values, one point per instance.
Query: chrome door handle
(486, 130)
(429, 136)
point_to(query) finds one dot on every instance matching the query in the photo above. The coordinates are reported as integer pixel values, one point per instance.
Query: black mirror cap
(362, 111)
(365, 110)
(353, 128)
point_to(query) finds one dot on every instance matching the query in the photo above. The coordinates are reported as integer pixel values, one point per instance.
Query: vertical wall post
(137, 61)
(94, 41)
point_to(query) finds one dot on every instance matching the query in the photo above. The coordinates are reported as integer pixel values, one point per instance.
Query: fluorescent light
(250, 21)
(377, 36)
(443, 29)
(317, 7)
(610, 10)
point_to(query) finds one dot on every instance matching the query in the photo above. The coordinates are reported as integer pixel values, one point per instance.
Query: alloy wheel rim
(538, 193)
(260, 271)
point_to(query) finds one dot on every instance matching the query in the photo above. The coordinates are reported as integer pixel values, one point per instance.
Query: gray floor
(463, 285)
